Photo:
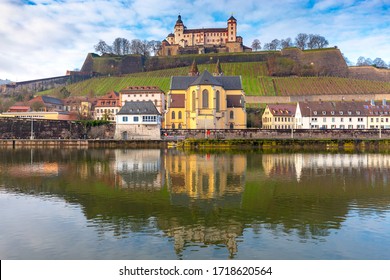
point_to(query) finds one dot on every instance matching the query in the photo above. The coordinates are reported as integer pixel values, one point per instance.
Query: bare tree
(146, 47)
(256, 45)
(301, 40)
(275, 44)
(136, 46)
(316, 41)
(155, 46)
(286, 43)
(102, 47)
(379, 62)
(121, 46)
(362, 61)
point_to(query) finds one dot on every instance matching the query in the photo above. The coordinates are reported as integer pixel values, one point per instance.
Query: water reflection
(139, 169)
(230, 204)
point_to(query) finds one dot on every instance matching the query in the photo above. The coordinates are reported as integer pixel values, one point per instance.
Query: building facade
(203, 40)
(138, 120)
(144, 93)
(107, 107)
(206, 102)
(328, 115)
(279, 116)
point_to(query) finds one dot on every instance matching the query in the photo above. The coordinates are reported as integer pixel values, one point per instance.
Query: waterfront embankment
(382, 145)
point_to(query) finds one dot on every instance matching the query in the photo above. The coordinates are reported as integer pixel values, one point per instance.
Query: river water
(170, 204)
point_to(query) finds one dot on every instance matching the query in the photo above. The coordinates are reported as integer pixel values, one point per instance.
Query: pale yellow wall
(206, 118)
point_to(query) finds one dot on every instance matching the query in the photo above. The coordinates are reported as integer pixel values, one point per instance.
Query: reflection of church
(207, 182)
(205, 176)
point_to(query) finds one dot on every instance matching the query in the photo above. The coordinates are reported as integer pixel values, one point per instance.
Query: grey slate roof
(52, 100)
(227, 82)
(138, 108)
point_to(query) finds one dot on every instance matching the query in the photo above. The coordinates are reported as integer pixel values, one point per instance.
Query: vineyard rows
(254, 76)
(327, 85)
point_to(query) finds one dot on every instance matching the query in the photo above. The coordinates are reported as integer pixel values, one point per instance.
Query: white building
(328, 115)
(331, 115)
(138, 120)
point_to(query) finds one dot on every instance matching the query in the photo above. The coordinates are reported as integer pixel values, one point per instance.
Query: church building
(206, 101)
(203, 40)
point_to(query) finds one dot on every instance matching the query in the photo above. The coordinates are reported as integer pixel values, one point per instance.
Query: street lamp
(310, 116)
(32, 129)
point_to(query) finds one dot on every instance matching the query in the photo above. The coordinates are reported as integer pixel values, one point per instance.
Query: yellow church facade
(206, 102)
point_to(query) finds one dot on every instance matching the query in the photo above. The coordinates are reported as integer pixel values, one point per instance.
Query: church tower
(232, 29)
(194, 69)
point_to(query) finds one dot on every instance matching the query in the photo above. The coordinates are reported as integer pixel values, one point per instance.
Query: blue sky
(44, 38)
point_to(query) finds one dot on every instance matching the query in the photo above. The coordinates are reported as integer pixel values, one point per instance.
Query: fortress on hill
(203, 40)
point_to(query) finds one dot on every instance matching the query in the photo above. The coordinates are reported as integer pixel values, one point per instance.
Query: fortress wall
(329, 62)
(369, 73)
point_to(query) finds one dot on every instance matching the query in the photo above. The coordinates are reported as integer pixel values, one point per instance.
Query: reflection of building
(205, 176)
(139, 168)
(183, 235)
(294, 165)
(207, 181)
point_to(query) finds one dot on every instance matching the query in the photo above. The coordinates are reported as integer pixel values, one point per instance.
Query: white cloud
(47, 38)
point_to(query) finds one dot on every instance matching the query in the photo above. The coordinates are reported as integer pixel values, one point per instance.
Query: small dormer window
(357, 112)
(323, 112)
(332, 113)
(341, 113)
(315, 112)
(349, 113)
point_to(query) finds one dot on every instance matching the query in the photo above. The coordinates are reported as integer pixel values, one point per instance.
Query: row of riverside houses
(196, 101)
(327, 115)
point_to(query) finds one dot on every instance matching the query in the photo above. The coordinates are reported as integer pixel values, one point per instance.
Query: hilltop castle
(204, 40)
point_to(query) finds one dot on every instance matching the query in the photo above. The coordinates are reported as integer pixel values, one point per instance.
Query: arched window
(180, 126)
(231, 114)
(173, 126)
(193, 101)
(217, 101)
(173, 115)
(231, 125)
(179, 115)
(205, 98)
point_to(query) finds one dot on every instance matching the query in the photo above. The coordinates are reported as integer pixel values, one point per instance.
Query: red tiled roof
(282, 109)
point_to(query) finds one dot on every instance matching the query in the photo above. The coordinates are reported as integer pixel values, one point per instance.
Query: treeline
(122, 46)
(302, 41)
(377, 62)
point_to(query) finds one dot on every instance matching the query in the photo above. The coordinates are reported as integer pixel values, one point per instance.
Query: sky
(44, 38)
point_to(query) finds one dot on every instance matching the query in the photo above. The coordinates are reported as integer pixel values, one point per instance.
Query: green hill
(255, 79)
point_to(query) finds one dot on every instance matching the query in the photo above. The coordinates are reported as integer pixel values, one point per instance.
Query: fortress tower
(202, 40)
